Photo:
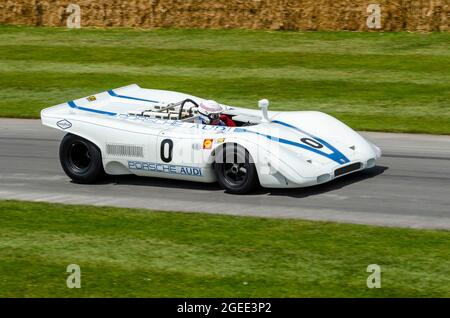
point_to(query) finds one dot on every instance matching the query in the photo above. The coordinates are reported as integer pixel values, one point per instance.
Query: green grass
(373, 81)
(140, 253)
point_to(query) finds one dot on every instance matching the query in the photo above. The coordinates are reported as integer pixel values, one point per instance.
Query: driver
(210, 113)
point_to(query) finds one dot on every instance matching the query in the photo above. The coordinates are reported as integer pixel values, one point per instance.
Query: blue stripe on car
(336, 155)
(97, 111)
(339, 155)
(112, 93)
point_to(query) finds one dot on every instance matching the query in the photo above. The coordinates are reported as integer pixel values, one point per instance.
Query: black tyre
(80, 159)
(235, 170)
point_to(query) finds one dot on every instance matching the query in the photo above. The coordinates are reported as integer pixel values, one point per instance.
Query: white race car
(147, 132)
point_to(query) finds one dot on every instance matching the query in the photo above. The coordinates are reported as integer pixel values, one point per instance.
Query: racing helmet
(209, 111)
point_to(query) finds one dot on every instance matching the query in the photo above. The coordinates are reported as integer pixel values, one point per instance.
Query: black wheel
(80, 159)
(235, 170)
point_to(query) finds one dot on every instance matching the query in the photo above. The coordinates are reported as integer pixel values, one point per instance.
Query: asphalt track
(410, 186)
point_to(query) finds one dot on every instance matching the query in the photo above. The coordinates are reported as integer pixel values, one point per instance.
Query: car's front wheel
(80, 159)
(235, 170)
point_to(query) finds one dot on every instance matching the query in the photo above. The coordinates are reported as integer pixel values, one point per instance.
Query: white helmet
(209, 111)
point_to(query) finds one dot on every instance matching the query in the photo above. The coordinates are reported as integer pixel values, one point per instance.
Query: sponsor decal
(207, 143)
(165, 168)
(177, 123)
(64, 124)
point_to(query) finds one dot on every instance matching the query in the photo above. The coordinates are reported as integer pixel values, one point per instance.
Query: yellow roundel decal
(207, 143)
(91, 98)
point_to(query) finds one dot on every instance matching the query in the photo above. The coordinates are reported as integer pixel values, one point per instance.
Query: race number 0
(312, 143)
(166, 150)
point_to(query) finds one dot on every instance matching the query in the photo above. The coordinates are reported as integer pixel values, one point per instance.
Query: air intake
(347, 169)
(125, 150)
(323, 178)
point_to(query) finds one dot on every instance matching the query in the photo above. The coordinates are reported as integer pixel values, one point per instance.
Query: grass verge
(141, 253)
(373, 81)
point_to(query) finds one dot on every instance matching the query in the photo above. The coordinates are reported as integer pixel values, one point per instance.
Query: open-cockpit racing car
(156, 133)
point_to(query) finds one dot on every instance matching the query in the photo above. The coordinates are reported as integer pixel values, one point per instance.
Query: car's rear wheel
(235, 170)
(80, 159)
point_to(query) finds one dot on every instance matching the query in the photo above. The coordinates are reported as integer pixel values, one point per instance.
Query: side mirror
(263, 104)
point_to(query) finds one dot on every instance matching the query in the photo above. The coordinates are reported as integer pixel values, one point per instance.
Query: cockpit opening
(205, 112)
